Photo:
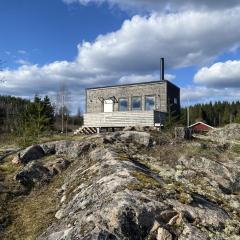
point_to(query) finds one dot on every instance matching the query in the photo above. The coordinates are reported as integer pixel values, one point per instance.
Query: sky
(88, 43)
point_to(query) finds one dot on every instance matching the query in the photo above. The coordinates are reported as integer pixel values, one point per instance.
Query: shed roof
(201, 123)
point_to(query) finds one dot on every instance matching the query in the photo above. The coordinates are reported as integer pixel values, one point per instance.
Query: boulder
(57, 166)
(32, 173)
(29, 154)
(163, 234)
(37, 173)
(141, 138)
(138, 138)
(68, 148)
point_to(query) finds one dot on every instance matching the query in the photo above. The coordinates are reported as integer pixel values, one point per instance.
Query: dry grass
(32, 214)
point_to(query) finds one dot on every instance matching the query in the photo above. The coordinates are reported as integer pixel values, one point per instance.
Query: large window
(149, 103)
(136, 103)
(123, 104)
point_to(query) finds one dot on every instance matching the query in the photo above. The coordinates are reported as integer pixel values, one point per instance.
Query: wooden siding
(122, 119)
(157, 89)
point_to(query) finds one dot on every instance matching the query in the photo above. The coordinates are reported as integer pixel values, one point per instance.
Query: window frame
(145, 97)
(125, 98)
(140, 108)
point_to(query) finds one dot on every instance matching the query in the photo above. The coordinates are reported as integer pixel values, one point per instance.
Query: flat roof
(133, 84)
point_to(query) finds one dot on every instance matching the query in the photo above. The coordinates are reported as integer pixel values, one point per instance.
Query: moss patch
(146, 181)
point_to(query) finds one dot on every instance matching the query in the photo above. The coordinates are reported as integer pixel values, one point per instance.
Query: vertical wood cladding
(159, 89)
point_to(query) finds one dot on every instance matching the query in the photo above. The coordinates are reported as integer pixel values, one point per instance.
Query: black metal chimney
(162, 69)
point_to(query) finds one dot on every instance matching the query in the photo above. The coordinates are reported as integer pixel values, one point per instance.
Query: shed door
(108, 105)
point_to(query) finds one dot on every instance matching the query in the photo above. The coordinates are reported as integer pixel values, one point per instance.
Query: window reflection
(123, 104)
(136, 103)
(149, 103)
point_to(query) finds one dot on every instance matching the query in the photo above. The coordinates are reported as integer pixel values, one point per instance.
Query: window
(136, 103)
(122, 104)
(175, 101)
(149, 103)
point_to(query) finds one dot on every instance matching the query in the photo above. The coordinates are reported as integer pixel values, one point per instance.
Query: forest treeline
(31, 118)
(216, 114)
(25, 117)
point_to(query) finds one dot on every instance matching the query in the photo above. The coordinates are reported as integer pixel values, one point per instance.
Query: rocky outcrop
(133, 137)
(229, 132)
(31, 153)
(37, 173)
(71, 149)
(112, 195)
(136, 185)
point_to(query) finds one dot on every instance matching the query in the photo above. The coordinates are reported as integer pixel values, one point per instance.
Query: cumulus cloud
(193, 94)
(132, 53)
(153, 5)
(220, 75)
(184, 39)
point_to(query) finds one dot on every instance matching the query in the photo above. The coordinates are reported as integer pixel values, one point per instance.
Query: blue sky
(86, 43)
(50, 30)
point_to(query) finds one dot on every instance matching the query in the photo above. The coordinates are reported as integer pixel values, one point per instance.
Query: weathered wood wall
(122, 119)
(158, 89)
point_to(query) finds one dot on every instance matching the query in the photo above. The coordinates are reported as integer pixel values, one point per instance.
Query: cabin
(137, 104)
(200, 127)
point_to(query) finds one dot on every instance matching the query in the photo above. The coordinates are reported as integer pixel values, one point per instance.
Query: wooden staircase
(85, 131)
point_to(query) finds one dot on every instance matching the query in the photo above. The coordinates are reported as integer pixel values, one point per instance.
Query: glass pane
(149, 103)
(136, 103)
(123, 104)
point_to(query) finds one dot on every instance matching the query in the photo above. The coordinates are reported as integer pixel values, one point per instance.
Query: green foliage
(37, 117)
(215, 114)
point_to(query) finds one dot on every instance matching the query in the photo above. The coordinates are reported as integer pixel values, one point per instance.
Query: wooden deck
(124, 119)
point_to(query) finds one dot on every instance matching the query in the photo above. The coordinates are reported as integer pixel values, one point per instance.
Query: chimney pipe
(162, 69)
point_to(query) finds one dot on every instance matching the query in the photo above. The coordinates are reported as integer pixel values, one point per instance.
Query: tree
(37, 117)
(49, 109)
(62, 101)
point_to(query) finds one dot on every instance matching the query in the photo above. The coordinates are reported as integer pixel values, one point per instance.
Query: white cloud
(184, 39)
(143, 78)
(220, 75)
(158, 5)
(193, 94)
(23, 62)
(132, 53)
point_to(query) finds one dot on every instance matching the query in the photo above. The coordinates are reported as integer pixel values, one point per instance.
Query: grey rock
(37, 173)
(163, 234)
(139, 138)
(192, 233)
(68, 148)
(57, 166)
(207, 213)
(33, 173)
(31, 153)
(229, 132)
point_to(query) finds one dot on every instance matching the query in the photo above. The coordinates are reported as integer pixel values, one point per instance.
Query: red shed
(200, 127)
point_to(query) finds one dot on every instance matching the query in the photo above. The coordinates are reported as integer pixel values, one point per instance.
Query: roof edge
(201, 123)
(129, 84)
